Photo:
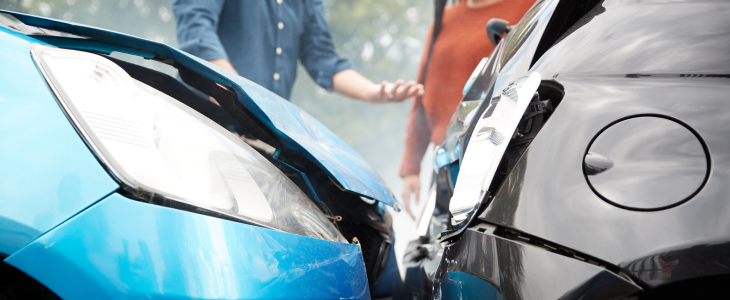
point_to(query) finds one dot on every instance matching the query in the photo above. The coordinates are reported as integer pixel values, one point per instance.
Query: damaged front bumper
(122, 248)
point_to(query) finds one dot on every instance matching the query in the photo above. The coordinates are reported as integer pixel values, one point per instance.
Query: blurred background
(384, 39)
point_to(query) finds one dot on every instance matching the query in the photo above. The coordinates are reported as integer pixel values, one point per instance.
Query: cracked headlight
(164, 152)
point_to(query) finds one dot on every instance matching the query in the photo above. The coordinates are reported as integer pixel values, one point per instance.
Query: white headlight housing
(158, 148)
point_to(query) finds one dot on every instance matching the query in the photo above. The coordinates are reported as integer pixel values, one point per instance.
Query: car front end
(119, 181)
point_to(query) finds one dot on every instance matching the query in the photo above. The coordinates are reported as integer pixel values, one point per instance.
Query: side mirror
(495, 29)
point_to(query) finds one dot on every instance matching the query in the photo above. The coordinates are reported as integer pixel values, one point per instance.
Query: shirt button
(276, 76)
(281, 25)
(279, 1)
(278, 50)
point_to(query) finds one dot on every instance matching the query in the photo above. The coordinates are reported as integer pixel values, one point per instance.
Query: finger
(421, 90)
(409, 209)
(415, 90)
(418, 90)
(399, 93)
(406, 202)
(393, 88)
(402, 91)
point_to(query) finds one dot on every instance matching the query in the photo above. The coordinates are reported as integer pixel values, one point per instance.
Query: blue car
(119, 181)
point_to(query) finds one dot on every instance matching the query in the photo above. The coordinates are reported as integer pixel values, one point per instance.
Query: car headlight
(162, 151)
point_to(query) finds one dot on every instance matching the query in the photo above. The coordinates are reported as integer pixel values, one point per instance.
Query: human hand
(394, 92)
(411, 185)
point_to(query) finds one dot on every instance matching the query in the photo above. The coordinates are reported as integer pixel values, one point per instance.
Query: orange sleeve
(418, 134)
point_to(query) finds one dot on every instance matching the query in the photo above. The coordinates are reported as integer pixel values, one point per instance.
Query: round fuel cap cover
(647, 163)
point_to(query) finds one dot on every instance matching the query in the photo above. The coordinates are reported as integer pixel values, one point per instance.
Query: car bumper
(121, 248)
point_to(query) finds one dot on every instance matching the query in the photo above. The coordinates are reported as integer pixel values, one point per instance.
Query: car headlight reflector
(159, 148)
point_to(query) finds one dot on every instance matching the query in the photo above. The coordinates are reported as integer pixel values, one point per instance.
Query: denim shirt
(263, 39)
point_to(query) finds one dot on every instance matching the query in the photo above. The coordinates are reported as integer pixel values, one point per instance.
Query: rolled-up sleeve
(316, 50)
(197, 27)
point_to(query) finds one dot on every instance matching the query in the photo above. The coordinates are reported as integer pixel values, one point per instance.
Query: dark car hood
(297, 131)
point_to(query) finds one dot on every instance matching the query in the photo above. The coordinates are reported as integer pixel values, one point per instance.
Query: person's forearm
(351, 84)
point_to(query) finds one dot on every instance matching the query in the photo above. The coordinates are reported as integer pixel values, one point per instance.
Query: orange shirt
(461, 44)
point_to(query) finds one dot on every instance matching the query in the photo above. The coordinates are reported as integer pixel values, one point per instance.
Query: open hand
(394, 92)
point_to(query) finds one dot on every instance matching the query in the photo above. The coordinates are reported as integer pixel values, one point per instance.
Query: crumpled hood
(297, 131)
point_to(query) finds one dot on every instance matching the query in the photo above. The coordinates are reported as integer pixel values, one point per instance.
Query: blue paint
(304, 176)
(442, 157)
(122, 248)
(390, 283)
(445, 156)
(47, 173)
(460, 285)
(454, 172)
(91, 45)
(298, 131)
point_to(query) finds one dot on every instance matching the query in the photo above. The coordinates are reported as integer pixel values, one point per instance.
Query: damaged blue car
(119, 181)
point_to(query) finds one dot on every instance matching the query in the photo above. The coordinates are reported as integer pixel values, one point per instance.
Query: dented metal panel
(296, 130)
(121, 248)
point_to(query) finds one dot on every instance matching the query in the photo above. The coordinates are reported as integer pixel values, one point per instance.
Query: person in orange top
(461, 42)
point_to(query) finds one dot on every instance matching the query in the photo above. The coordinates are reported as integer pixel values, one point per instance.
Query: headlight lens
(158, 147)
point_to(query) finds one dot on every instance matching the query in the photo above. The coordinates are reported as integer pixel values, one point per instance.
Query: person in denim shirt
(262, 40)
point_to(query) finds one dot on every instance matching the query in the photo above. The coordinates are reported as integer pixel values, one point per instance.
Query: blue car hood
(297, 130)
